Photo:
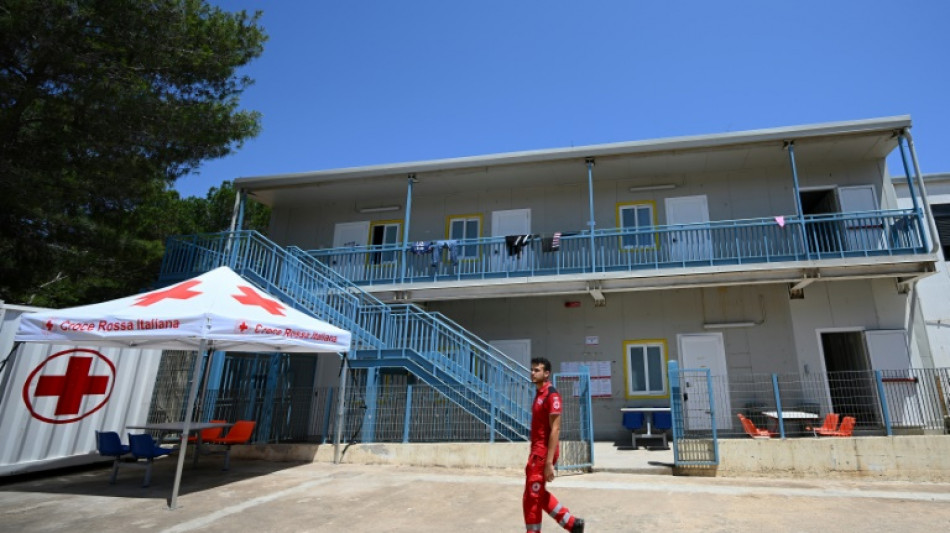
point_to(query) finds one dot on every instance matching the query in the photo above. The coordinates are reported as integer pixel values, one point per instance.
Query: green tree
(103, 105)
(213, 213)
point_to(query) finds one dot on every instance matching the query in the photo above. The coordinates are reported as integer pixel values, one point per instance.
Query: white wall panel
(27, 441)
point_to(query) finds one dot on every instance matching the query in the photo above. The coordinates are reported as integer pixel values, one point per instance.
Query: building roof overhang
(858, 139)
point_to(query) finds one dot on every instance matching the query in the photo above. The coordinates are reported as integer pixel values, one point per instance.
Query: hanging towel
(420, 247)
(516, 242)
(551, 244)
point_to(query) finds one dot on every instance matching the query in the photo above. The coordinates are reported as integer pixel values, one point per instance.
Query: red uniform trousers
(536, 497)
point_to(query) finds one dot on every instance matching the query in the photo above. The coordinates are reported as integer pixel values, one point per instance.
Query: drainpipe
(798, 196)
(910, 182)
(237, 221)
(340, 410)
(405, 231)
(590, 200)
(923, 192)
(238, 208)
(242, 205)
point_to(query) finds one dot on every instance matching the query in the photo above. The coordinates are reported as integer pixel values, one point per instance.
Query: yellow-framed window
(384, 233)
(644, 368)
(464, 227)
(637, 216)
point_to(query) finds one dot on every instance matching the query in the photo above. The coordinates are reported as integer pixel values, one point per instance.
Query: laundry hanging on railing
(452, 245)
(435, 249)
(421, 247)
(516, 243)
(551, 244)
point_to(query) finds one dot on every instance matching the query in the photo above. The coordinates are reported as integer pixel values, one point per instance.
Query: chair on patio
(663, 422)
(633, 422)
(208, 434)
(830, 424)
(846, 429)
(143, 446)
(109, 444)
(240, 433)
(753, 431)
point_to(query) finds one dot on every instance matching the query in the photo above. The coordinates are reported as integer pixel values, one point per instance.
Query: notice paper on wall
(600, 386)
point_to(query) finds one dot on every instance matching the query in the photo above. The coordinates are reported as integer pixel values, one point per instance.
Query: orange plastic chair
(208, 434)
(846, 429)
(753, 431)
(240, 433)
(829, 426)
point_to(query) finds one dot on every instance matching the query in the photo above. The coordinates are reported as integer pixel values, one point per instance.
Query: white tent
(218, 310)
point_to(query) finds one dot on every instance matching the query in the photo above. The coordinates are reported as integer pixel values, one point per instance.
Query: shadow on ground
(93, 480)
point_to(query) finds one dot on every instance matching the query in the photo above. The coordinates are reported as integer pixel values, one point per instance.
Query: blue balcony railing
(760, 240)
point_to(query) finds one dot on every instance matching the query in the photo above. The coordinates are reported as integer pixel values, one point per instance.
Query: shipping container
(53, 398)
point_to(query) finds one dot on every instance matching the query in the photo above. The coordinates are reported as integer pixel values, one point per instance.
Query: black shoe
(578, 526)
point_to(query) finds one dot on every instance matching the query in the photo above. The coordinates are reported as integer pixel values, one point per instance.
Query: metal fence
(404, 411)
(401, 409)
(726, 242)
(169, 396)
(577, 426)
(883, 402)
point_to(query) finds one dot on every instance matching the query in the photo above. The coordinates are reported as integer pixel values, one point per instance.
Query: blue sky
(352, 83)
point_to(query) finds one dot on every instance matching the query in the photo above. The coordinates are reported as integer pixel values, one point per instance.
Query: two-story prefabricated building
(776, 251)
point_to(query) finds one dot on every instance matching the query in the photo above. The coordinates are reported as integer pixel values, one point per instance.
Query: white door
(693, 244)
(705, 350)
(861, 233)
(887, 349)
(350, 234)
(510, 222)
(519, 350)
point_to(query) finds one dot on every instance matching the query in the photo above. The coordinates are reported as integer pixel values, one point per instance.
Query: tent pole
(11, 357)
(340, 409)
(204, 386)
(192, 394)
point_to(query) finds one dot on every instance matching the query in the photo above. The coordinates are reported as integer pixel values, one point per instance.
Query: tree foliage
(103, 105)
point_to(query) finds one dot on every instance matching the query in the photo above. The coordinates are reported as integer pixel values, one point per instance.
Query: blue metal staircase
(464, 368)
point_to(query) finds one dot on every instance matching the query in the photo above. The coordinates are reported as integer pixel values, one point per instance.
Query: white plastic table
(798, 416)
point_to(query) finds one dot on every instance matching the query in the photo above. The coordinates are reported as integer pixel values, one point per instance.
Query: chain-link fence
(398, 409)
(577, 442)
(882, 402)
(169, 395)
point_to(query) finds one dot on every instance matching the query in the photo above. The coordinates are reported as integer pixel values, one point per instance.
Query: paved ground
(285, 497)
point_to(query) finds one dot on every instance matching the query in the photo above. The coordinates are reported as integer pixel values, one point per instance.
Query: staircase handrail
(375, 325)
(249, 252)
(369, 299)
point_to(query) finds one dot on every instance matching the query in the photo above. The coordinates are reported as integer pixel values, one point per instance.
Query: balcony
(857, 244)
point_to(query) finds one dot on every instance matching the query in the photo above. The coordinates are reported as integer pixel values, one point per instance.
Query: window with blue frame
(640, 218)
(465, 227)
(645, 368)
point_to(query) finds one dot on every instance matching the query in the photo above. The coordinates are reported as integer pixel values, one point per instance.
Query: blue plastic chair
(633, 421)
(109, 444)
(662, 420)
(143, 447)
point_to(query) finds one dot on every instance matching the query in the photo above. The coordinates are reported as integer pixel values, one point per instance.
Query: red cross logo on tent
(182, 291)
(71, 389)
(251, 297)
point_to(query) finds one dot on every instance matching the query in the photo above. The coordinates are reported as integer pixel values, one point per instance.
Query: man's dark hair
(542, 361)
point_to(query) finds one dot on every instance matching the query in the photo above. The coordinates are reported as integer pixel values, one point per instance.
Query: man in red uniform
(545, 434)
